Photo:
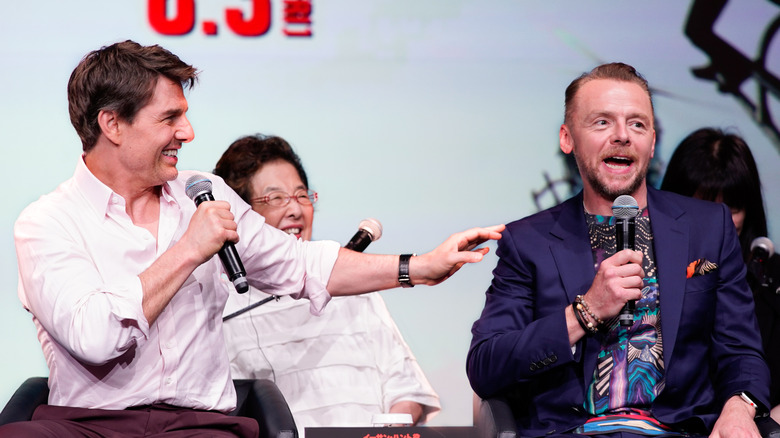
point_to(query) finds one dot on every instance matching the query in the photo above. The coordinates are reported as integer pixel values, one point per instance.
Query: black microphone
(369, 230)
(198, 188)
(761, 250)
(625, 209)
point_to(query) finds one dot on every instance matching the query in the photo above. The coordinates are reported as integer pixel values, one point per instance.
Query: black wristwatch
(403, 270)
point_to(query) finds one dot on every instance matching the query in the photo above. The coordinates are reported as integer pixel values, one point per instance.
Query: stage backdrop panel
(431, 116)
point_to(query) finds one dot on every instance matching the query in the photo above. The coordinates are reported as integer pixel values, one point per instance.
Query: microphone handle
(625, 235)
(228, 255)
(359, 241)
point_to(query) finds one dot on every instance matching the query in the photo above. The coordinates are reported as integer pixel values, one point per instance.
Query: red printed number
(181, 24)
(256, 25)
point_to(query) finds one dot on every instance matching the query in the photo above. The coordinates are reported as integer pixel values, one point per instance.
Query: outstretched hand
(438, 265)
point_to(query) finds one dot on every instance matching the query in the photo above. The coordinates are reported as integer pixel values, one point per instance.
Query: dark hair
(247, 155)
(712, 165)
(616, 71)
(120, 77)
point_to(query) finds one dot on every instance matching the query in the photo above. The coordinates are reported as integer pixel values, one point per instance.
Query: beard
(590, 176)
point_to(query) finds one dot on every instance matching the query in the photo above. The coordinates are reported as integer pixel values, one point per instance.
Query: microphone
(761, 250)
(625, 209)
(198, 188)
(369, 230)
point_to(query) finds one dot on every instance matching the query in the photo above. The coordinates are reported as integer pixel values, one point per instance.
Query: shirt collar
(99, 195)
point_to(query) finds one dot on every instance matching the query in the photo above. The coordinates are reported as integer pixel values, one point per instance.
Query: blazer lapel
(670, 243)
(573, 256)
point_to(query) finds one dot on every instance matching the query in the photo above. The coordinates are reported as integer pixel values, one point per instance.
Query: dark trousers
(158, 421)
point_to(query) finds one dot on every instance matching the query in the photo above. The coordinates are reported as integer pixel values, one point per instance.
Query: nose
(184, 132)
(621, 136)
(293, 208)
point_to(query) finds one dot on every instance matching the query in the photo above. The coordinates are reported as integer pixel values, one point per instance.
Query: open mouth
(294, 231)
(618, 163)
(170, 153)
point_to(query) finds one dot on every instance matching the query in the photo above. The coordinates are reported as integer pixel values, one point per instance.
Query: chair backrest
(258, 399)
(20, 407)
(493, 418)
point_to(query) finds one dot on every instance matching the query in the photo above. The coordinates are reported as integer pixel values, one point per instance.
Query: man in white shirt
(117, 265)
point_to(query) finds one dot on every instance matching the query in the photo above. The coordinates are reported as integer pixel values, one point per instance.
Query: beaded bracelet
(580, 315)
(581, 301)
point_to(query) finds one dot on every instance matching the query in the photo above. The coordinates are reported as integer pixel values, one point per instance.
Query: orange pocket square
(700, 267)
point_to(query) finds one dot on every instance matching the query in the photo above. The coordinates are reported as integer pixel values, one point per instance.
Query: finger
(496, 228)
(484, 234)
(469, 257)
(483, 250)
(626, 256)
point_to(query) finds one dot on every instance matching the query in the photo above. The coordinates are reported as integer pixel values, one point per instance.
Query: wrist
(404, 270)
(753, 405)
(585, 315)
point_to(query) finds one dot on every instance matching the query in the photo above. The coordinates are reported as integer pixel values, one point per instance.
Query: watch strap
(748, 398)
(403, 270)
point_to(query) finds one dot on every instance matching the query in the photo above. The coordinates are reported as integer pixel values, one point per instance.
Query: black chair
(258, 399)
(494, 419)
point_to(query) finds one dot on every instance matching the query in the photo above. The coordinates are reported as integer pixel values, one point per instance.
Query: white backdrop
(430, 116)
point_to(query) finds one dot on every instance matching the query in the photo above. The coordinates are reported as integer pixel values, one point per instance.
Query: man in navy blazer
(549, 337)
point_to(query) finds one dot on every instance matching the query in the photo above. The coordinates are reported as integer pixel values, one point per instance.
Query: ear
(567, 143)
(652, 150)
(109, 125)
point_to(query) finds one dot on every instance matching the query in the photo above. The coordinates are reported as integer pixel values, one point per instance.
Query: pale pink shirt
(79, 258)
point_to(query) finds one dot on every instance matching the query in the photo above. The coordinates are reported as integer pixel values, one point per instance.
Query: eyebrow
(172, 112)
(598, 114)
(270, 189)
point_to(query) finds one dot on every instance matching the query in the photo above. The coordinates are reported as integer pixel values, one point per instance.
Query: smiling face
(150, 144)
(293, 218)
(612, 137)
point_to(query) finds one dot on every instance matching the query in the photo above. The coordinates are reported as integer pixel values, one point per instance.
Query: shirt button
(168, 380)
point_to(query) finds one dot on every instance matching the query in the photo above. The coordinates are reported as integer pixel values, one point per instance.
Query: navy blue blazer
(711, 343)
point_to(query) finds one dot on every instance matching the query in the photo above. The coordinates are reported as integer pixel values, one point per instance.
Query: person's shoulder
(51, 205)
(688, 204)
(545, 218)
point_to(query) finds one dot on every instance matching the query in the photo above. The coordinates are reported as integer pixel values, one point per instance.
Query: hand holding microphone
(198, 189)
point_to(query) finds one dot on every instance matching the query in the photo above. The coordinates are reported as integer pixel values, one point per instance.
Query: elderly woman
(337, 369)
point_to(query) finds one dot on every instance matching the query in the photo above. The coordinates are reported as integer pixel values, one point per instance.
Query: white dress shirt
(79, 259)
(336, 369)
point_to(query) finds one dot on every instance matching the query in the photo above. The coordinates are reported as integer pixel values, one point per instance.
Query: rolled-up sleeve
(278, 263)
(95, 317)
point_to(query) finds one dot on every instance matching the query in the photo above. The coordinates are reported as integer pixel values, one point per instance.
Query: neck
(142, 203)
(596, 203)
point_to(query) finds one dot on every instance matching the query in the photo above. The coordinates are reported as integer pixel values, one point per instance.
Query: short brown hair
(616, 71)
(120, 77)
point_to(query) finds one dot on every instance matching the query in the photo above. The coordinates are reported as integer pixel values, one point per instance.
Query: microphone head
(625, 207)
(372, 227)
(197, 184)
(762, 243)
